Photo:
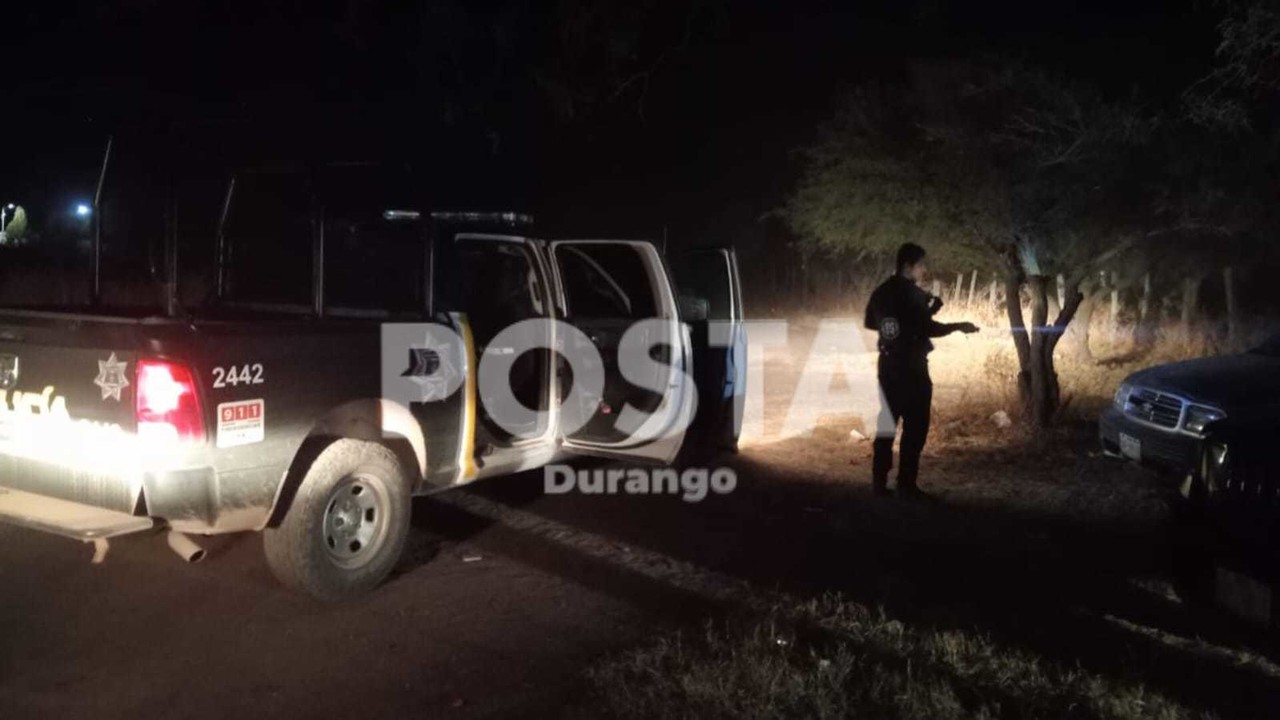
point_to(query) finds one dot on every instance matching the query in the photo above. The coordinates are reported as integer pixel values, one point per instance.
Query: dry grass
(829, 658)
(974, 376)
(969, 457)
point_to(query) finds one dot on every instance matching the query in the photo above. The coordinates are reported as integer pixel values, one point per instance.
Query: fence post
(1231, 306)
(1143, 332)
(1190, 301)
(1115, 306)
(1144, 305)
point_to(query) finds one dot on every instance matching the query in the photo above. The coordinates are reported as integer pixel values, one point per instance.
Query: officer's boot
(907, 471)
(881, 464)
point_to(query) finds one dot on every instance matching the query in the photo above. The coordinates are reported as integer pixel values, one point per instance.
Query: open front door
(711, 304)
(611, 290)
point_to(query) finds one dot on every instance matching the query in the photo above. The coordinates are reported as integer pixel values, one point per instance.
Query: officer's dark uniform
(903, 315)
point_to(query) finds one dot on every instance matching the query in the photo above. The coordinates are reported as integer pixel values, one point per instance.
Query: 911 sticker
(241, 423)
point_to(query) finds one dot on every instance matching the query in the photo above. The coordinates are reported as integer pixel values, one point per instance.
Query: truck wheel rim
(355, 520)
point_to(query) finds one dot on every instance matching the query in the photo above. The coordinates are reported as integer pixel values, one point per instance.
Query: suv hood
(1230, 382)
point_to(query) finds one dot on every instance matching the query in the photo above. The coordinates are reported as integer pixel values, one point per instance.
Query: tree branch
(1092, 265)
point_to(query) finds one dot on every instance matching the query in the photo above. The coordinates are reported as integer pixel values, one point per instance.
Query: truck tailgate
(66, 407)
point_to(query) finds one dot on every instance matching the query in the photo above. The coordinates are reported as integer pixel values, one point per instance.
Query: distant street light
(83, 210)
(4, 212)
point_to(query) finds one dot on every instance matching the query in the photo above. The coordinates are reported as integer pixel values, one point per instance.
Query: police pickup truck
(350, 355)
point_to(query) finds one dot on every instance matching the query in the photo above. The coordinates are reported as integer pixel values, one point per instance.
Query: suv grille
(1154, 407)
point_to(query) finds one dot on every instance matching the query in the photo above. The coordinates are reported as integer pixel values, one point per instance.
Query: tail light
(168, 407)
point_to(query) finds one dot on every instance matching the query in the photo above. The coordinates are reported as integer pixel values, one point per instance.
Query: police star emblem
(111, 377)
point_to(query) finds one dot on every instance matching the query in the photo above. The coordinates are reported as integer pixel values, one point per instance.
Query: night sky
(703, 147)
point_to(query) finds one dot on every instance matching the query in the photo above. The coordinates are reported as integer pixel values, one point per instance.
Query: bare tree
(995, 164)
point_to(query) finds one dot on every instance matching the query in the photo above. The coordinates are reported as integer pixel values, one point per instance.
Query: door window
(268, 236)
(606, 281)
(706, 285)
(373, 261)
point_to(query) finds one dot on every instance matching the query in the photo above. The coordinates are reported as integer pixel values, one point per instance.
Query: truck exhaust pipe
(186, 548)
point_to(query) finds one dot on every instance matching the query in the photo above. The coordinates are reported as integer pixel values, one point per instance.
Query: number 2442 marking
(238, 375)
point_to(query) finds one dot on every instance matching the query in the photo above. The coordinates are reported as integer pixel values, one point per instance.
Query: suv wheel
(346, 527)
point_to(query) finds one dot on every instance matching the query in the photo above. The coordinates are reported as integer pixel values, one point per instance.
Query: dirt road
(507, 595)
(458, 633)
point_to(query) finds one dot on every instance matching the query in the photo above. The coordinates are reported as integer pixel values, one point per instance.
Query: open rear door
(711, 303)
(608, 288)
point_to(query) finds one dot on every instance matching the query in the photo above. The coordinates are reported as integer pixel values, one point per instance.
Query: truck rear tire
(347, 524)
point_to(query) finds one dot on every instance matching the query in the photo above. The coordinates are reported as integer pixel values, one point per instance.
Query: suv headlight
(1199, 415)
(1122, 395)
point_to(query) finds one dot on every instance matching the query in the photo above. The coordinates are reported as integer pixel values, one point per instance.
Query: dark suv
(1227, 550)
(1159, 414)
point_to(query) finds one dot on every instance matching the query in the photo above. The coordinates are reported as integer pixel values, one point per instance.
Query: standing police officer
(902, 312)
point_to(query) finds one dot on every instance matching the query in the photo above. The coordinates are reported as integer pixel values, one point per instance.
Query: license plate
(1242, 595)
(1130, 447)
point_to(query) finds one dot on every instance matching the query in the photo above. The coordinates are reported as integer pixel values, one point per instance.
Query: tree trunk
(937, 288)
(1190, 299)
(1013, 280)
(973, 285)
(1229, 286)
(1038, 386)
(959, 293)
(1044, 381)
(992, 300)
(841, 296)
(1046, 390)
(1077, 334)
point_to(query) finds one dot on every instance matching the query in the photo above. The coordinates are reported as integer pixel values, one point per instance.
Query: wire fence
(1200, 310)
